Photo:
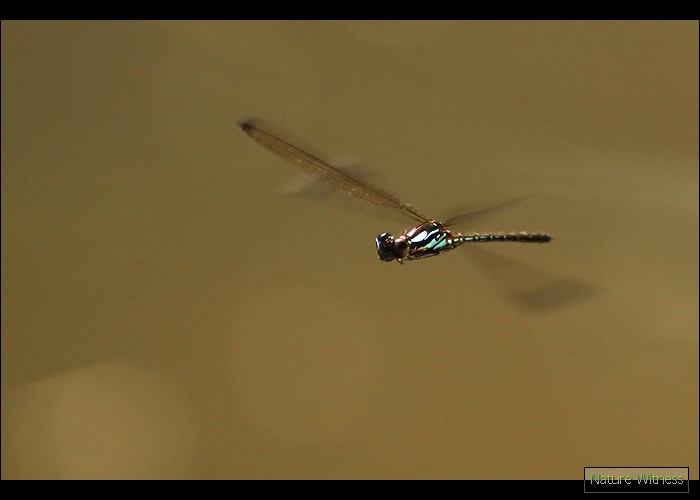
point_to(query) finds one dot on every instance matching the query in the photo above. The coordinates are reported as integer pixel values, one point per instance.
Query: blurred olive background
(167, 314)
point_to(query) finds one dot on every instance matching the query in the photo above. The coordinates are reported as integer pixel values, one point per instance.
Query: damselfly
(428, 239)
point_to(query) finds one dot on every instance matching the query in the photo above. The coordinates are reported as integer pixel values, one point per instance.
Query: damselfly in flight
(428, 239)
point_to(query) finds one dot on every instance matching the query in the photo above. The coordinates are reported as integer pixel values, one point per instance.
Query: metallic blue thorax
(427, 240)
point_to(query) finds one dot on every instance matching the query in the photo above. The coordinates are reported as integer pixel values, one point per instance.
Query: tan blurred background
(166, 314)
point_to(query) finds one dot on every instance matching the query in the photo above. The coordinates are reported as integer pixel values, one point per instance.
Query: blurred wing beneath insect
(529, 287)
(323, 171)
(309, 188)
(305, 185)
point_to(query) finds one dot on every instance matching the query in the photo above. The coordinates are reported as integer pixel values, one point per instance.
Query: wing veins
(322, 171)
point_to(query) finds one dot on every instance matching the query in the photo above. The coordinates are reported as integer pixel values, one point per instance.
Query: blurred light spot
(107, 421)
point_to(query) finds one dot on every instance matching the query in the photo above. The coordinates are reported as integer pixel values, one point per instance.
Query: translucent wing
(529, 287)
(322, 171)
(471, 215)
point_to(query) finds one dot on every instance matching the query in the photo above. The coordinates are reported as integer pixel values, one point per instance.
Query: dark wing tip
(243, 125)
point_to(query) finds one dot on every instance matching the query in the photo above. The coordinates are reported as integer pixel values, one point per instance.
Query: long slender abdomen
(517, 237)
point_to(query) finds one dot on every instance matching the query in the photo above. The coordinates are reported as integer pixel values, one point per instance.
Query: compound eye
(385, 247)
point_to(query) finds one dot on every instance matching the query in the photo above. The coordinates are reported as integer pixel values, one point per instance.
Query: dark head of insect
(389, 249)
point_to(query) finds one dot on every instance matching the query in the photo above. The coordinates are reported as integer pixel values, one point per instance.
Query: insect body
(428, 239)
